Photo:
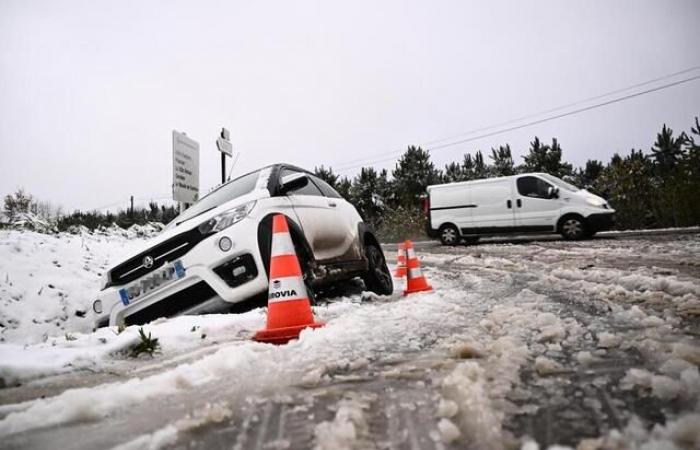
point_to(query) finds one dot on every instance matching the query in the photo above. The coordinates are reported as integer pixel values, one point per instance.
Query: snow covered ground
(522, 345)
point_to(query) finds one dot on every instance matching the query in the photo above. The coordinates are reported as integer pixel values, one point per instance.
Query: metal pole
(223, 168)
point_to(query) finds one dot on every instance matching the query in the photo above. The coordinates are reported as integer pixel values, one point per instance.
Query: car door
(535, 210)
(323, 225)
(492, 210)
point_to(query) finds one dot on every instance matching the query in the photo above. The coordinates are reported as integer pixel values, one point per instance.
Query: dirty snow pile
(48, 281)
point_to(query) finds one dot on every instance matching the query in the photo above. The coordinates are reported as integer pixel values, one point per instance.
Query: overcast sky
(90, 91)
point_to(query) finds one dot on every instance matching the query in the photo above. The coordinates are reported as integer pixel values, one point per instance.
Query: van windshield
(560, 183)
(229, 191)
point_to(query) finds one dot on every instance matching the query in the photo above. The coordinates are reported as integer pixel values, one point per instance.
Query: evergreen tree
(481, 170)
(667, 150)
(413, 174)
(18, 203)
(326, 175)
(585, 178)
(453, 172)
(364, 194)
(546, 158)
(503, 164)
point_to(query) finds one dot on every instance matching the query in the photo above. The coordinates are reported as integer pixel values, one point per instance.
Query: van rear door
(449, 204)
(493, 208)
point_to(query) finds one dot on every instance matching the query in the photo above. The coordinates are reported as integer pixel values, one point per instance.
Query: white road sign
(224, 146)
(185, 168)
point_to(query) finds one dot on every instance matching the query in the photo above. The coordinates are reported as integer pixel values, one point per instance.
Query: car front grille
(175, 304)
(167, 251)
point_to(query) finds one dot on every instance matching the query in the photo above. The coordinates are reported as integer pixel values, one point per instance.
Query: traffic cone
(416, 282)
(400, 271)
(288, 307)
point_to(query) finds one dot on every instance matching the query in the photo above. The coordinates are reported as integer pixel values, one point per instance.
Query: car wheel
(377, 278)
(449, 235)
(573, 228)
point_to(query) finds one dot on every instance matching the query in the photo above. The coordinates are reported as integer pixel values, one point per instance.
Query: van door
(493, 208)
(534, 209)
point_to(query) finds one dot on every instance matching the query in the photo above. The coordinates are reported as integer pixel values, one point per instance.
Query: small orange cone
(416, 282)
(288, 307)
(400, 271)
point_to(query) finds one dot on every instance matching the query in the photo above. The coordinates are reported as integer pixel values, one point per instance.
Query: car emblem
(276, 284)
(148, 262)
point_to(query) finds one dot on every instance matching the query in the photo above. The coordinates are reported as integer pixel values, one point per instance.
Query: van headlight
(226, 219)
(595, 202)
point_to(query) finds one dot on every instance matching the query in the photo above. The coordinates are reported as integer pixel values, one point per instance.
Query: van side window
(533, 187)
(309, 189)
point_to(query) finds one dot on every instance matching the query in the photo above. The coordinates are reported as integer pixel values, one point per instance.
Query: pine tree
(481, 170)
(413, 174)
(503, 164)
(326, 175)
(667, 150)
(547, 159)
(18, 203)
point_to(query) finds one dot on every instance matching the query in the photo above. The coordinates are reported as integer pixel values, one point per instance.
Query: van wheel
(449, 235)
(573, 228)
(377, 278)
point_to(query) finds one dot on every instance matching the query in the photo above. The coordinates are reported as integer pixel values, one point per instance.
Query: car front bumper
(212, 278)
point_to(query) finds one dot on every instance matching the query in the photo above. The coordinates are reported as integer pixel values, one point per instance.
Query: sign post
(224, 145)
(185, 170)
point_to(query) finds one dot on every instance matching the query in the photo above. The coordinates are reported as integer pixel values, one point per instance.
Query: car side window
(309, 189)
(533, 187)
(326, 188)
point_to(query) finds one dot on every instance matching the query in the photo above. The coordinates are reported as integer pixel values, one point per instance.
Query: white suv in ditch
(215, 255)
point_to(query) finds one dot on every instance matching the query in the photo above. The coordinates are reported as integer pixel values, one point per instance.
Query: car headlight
(595, 202)
(226, 218)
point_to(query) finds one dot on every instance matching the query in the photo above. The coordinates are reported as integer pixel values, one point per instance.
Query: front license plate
(156, 279)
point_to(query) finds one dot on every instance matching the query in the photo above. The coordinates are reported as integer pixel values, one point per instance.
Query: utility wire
(344, 168)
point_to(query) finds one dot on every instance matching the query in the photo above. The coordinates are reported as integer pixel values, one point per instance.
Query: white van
(524, 203)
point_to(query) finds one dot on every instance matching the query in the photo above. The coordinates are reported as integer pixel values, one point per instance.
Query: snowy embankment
(48, 281)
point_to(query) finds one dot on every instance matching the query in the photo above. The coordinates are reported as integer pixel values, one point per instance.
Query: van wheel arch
(563, 220)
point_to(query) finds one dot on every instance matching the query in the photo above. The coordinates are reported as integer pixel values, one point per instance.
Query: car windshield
(560, 183)
(229, 191)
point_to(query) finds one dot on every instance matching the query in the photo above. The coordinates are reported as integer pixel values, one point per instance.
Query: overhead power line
(391, 155)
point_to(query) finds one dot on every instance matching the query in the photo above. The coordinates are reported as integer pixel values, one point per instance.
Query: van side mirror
(552, 192)
(293, 182)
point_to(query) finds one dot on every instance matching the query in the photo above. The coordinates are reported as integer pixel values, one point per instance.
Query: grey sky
(90, 91)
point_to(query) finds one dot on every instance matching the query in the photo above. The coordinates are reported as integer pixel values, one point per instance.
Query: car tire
(573, 228)
(377, 278)
(449, 235)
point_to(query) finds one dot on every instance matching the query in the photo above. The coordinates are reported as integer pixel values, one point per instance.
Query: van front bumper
(600, 221)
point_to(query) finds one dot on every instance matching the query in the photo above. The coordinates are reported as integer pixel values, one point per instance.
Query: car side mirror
(293, 182)
(553, 192)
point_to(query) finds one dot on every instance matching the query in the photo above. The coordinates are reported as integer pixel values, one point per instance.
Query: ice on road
(521, 345)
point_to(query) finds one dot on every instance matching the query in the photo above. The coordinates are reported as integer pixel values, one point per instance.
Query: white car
(216, 253)
(529, 202)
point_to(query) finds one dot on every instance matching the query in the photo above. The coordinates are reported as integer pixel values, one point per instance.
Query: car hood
(194, 222)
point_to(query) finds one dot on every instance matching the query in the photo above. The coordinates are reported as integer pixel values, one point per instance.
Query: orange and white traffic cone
(288, 306)
(416, 282)
(400, 271)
